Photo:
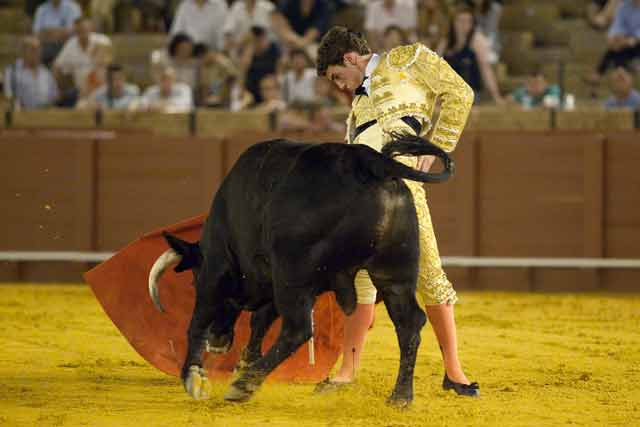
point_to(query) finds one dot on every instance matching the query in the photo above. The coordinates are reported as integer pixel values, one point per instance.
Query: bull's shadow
(289, 222)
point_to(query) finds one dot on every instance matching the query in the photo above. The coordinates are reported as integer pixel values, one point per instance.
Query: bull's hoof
(197, 384)
(399, 402)
(238, 394)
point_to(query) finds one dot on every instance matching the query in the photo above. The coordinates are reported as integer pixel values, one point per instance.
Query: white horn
(168, 258)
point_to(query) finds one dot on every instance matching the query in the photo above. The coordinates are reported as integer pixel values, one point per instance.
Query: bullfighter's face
(345, 77)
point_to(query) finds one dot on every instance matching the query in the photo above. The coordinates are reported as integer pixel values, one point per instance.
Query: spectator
(243, 15)
(168, 96)
(180, 56)
(394, 36)
(537, 92)
(260, 58)
(300, 24)
(202, 20)
(76, 58)
(600, 13)
(488, 14)
(623, 39)
(467, 51)
(101, 56)
(29, 83)
(53, 24)
(381, 14)
(320, 120)
(624, 95)
(217, 75)
(115, 93)
(272, 102)
(298, 83)
(433, 22)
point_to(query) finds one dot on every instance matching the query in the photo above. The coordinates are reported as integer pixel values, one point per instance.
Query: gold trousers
(433, 287)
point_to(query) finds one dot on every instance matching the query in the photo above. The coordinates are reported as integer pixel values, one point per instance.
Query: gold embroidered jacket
(408, 81)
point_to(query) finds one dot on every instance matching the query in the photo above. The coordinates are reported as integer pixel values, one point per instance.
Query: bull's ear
(189, 252)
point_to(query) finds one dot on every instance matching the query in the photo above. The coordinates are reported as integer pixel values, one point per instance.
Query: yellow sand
(540, 360)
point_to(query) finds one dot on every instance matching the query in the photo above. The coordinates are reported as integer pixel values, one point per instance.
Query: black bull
(289, 222)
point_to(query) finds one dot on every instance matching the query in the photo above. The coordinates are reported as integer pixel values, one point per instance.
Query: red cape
(121, 286)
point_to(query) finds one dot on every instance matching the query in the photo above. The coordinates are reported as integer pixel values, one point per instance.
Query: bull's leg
(408, 320)
(194, 377)
(261, 321)
(294, 305)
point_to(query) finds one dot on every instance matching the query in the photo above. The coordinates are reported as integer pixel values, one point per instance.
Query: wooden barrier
(522, 194)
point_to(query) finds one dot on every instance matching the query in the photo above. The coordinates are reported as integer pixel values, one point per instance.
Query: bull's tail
(410, 145)
(186, 255)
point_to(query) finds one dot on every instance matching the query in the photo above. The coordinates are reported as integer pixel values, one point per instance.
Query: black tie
(360, 90)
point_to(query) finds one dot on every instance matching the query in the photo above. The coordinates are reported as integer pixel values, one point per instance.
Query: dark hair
(175, 42)
(452, 37)
(114, 68)
(258, 31)
(334, 45)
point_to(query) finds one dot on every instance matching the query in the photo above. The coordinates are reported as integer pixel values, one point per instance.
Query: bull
(289, 222)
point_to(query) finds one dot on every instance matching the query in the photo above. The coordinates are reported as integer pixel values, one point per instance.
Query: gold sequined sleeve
(410, 81)
(456, 102)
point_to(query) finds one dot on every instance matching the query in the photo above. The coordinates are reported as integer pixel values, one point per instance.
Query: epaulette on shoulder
(402, 57)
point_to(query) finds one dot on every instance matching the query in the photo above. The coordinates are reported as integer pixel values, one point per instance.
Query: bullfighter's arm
(413, 79)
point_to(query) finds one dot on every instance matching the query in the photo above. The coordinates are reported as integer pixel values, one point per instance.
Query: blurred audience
(272, 102)
(537, 92)
(623, 39)
(600, 13)
(102, 14)
(28, 83)
(78, 58)
(381, 14)
(216, 78)
(259, 59)
(321, 120)
(102, 57)
(168, 96)
(394, 36)
(488, 14)
(243, 15)
(301, 23)
(623, 93)
(202, 20)
(114, 94)
(180, 56)
(298, 83)
(467, 51)
(433, 22)
(54, 24)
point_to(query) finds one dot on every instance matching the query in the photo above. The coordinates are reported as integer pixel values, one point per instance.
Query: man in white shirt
(53, 24)
(243, 15)
(75, 58)
(381, 14)
(202, 20)
(168, 96)
(27, 82)
(299, 82)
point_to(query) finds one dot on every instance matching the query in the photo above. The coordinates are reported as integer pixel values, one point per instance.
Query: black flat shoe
(471, 390)
(328, 385)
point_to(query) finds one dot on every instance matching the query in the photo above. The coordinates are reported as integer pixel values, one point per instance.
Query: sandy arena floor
(547, 360)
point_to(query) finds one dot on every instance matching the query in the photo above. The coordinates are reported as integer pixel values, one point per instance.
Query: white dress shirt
(74, 60)
(203, 23)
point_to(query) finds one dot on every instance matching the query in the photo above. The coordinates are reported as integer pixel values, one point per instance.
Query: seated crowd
(259, 54)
